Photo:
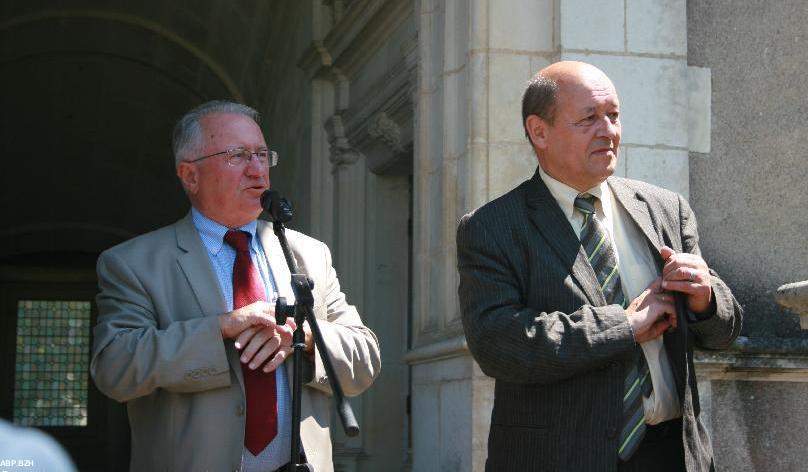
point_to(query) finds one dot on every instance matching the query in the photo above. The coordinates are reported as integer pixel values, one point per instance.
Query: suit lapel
(637, 208)
(195, 264)
(276, 261)
(279, 268)
(549, 220)
(675, 342)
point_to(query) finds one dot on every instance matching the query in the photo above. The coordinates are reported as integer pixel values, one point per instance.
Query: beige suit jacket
(157, 346)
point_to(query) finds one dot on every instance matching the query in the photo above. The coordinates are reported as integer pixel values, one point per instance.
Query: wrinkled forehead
(223, 122)
(586, 77)
(587, 90)
(231, 129)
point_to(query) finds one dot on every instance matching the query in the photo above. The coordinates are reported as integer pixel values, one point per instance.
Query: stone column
(361, 63)
(474, 60)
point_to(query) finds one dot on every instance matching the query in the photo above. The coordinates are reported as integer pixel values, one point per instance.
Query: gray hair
(187, 132)
(539, 99)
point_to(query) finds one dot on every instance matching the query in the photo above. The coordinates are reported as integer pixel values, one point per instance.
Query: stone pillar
(755, 240)
(361, 63)
(474, 61)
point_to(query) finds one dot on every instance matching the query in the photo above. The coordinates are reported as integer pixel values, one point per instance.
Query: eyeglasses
(238, 156)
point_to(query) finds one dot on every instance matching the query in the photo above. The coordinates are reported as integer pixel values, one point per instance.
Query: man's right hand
(651, 313)
(262, 341)
(259, 313)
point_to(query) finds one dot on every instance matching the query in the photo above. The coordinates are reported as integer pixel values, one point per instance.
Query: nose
(608, 128)
(254, 166)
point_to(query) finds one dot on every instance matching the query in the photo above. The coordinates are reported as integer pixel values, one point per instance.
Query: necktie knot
(585, 203)
(238, 240)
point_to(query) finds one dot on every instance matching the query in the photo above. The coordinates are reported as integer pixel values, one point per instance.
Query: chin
(610, 167)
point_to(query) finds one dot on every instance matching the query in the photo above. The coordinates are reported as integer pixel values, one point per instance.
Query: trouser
(661, 450)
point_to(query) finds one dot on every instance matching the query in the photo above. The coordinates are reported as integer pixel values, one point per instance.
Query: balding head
(541, 95)
(567, 73)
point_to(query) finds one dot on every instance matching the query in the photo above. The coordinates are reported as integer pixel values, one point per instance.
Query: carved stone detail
(794, 296)
(341, 151)
(337, 8)
(387, 131)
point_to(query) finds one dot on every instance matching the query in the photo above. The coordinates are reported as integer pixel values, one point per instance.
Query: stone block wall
(642, 47)
(756, 166)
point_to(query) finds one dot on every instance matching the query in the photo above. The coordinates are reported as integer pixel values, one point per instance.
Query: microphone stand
(280, 211)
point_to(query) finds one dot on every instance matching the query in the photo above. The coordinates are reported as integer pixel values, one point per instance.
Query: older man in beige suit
(201, 370)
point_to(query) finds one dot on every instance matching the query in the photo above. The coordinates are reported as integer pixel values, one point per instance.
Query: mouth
(256, 188)
(605, 151)
(604, 147)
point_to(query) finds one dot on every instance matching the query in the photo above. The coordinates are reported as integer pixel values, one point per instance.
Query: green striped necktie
(600, 252)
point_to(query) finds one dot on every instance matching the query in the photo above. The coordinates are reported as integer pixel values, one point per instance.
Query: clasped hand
(258, 336)
(654, 310)
(687, 273)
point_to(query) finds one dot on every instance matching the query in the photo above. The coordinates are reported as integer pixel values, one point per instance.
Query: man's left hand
(689, 274)
(267, 346)
(271, 346)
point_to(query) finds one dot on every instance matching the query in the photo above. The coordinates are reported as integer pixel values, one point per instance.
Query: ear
(537, 131)
(188, 177)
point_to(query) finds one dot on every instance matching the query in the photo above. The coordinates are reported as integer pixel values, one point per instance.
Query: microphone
(278, 208)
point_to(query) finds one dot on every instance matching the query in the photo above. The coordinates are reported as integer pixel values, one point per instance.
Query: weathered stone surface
(747, 193)
(585, 26)
(664, 167)
(699, 91)
(656, 27)
(522, 25)
(759, 426)
(448, 405)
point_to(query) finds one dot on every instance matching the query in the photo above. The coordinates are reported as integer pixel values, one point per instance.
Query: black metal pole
(299, 343)
(304, 311)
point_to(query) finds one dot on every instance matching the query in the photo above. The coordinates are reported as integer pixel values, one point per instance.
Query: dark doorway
(47, 311)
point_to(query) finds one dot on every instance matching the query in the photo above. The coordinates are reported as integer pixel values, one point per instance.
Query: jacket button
(611, 432)
(240, 410)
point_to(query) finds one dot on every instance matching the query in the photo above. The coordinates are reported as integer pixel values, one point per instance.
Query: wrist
(707, 312)
(222, 319)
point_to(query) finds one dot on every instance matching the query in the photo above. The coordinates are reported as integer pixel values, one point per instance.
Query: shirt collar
(212, 233)
(565, 195)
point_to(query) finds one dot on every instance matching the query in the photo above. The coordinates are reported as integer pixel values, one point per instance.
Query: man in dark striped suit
(583, 295)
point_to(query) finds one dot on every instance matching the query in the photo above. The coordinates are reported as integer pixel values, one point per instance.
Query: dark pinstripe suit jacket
(536, 321)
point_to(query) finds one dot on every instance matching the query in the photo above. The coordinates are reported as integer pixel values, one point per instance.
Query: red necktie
(262, 415)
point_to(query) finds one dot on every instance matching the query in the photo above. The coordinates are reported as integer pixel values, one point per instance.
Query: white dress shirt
(637, 269)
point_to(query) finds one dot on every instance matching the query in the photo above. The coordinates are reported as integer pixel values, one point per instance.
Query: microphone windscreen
(277, 208)
(269, 198)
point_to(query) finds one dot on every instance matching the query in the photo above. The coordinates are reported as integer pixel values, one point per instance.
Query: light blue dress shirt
(222, 257)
